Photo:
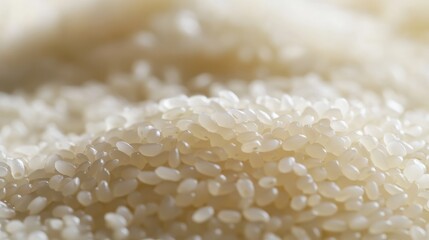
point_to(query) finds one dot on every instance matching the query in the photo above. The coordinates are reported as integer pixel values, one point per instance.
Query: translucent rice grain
(103, 192)
(267, 197)
(229, 216)
(208, 168)
(333, 169)
(299, 169)
(325, 209)
(314, 200)
(256, 215)
(214, 188)
(187, 185)
(125, 212)
(85, 198)
(37, 205)
(248, 136)
(269, 145)
(280, 133)
(399, 221)
(334, 225)
(380, 227)
(129, 172)
(123, 188)
(198, 132)
(115, 221)
(173, 113)
(55, 182)
(230, 96)
(285, 165)
(329, 189)
(169, 174)
(17, 168)
(224, 119)
(207, 123)
(169, 103)
(353, 205)
(307, 120)
(245, 188)
(71, 220)
(392, 189)
(378, 158)
(349, 193)
(369, 207)
(351, 172)
(396, 148)
(369, 142)
(423, 181)
(125, 147)
(397, 200)
(71, 186)
(65, 168)
(149, 177)
(413, 210)
(251, 146)
(203, 214)
(372, 190)
(294, 142)
(174, 158)
(298, 203)
(358, 223)
(239, 115)
(315, 150)
(339, 126)
(150, 149)
(267, 182)
(263, 117)
(414, 170)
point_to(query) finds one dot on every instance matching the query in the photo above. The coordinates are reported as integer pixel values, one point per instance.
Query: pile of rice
(214, 119)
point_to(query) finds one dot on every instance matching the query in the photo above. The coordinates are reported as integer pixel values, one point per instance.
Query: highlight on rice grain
(214, 120)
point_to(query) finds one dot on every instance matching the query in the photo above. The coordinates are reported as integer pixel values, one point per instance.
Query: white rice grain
(203, 214)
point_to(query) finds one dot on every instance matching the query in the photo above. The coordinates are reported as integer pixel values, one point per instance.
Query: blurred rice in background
(378, 44)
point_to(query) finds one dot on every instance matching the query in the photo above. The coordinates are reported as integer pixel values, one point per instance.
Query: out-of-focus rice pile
(214, 119)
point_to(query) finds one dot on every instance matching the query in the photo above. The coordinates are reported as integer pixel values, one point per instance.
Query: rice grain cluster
(248, 125)
(208, 168)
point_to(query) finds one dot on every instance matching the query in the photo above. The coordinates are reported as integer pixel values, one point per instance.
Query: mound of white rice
(214, 119)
